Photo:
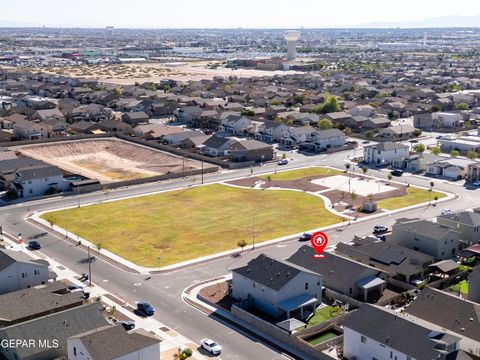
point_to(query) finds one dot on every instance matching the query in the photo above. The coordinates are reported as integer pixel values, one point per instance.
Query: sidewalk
(170, 340)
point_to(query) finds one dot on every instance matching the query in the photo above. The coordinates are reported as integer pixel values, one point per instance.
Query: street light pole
(253, 232)
(78, 194)
(89, 268)
(202, 170)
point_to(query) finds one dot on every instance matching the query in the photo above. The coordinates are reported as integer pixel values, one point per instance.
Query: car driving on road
(211, 346)
(305, 237)
(34, 245)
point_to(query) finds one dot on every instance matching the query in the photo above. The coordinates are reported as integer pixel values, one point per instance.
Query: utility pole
(202, 170)
(89, 268)
(78, 194)
(183, 166)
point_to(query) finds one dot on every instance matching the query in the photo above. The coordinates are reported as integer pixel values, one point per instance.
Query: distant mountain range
(435, 22)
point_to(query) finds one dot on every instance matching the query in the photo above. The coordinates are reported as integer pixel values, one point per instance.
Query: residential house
(186, 139)
(9, 167)
(47, 114)
(384, 153)
(155, 131)
(343, 275)
(83, 127)
(112, 125)
(376, 123)
(341, 118)
(235, 125)
(37, 301)
(458, 316)
(277, 288)
(399, 262)
(29, 130)
(38, 180)
(113, 343)
(324, 140)
(19, 271)
(467, 223)
(452, 168)
(272, 131)
(461, 144)
(434, 239)
(250, 150)
(415, 163)
(377, 333)
(216, 146)
(397, 133)
(362, 110)
(52, 331)
(55, 126)
(135, 118)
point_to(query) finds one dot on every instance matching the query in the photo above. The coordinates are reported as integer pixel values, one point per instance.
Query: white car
(211, 346)
(476, 183)
(446, 211)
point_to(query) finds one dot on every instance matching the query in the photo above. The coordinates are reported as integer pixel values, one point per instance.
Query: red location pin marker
(319, 242)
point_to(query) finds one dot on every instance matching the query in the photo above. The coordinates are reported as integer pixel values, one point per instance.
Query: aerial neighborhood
(239, 194)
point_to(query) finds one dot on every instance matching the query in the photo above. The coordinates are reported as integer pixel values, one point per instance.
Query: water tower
(292, 37)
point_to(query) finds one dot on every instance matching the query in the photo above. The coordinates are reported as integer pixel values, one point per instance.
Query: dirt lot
(129, 74)
(109, 160)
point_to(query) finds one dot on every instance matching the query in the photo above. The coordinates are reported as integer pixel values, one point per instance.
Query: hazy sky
(227, 13)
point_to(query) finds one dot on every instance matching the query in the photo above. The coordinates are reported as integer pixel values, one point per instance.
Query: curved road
(164, 290)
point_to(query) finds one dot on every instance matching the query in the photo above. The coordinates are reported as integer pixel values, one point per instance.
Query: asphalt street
(164, 290)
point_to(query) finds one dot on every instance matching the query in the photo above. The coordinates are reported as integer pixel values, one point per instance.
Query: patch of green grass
(414, 196)
(323, 314)
(464, 267)
(170, 227)
(328, 335)
(461, 287)
(303, 173)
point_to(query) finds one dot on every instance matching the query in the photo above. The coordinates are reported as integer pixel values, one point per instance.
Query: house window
(391, 354)
(350, 290)
(24, 275)
(318, 283)
(74, 351)
(253, 284)
(363, 339)
(29, 181)
(30, 191)
(306, 286)
(36, 272)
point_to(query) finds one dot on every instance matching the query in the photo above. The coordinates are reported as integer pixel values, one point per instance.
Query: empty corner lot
(170, 227)
(109, 159)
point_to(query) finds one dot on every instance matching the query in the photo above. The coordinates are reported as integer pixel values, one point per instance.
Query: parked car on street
(283, 162)
(145, 308)
(377, 229)
(34, 245)
(211, 346)
(446, 211)
(397, 172)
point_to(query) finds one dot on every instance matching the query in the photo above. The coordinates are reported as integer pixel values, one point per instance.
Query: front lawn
(170, 227)
(414, 196)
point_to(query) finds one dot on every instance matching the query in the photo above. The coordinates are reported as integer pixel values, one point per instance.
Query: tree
(419, 148)
(152, 87)
(248, 112)
(390, 177)
(472, 155)
(467, 125)
(435, 108)
(51, 219)
(105, 191)
(369, 134)
(347, 167)
(364, 169)
(454, 153)
(462, 106)
(275, 102)
(117, 92)
(331, 104)
(99, 245)
(417, 132)
(182, 354)
(353, 197)
(347, 131)
(289, 122)
(241, 243)
(370, 197)
(269, 179)
(435, 150)
(325, 124)
(432, 184)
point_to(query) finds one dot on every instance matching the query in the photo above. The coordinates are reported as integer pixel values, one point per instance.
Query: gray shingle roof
(424, 228)
(57, 326)
(432, 305)
(336, 270)
(5, 260)
(465, 217)
(38, 171)
(388, 146)
(111, 342)
(397, 332)
(269, 272)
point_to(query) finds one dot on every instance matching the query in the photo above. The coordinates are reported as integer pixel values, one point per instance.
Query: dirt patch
(218, 294)
(110, 160)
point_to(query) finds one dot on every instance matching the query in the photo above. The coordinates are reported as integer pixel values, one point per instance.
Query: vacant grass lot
(414, 196)
(303, 173)
(163, 229)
